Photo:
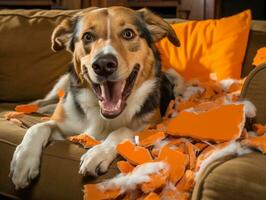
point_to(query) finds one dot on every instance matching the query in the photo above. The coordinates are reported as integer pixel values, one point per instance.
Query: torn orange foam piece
(256, 142)
(185, 105)
(155, 152)
(156, 181)
(59, 112)
(150, 137)
(244, 134)
(85, 140)
(134, 154)
(192, 155)
(187, 181)
(94, 192)
(200, 146)
(176, 160)
(209, 125)
(259, 129)
(27, 108)
(170, 109)
(260, 56)
(124, 166)
(152, 196)
(61, 93)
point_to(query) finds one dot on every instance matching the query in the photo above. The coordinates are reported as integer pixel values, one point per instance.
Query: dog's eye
(128, 34)
(88, 37)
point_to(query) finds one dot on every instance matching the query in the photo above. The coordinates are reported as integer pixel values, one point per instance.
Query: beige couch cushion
(28, 66)
(239, 178)
(257, 39)
(59, 177)
(254, 90)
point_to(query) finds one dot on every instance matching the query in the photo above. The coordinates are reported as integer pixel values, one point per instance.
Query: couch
(28, 70)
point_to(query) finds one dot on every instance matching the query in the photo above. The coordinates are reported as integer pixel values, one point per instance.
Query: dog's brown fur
(129, 52)
(80, 109)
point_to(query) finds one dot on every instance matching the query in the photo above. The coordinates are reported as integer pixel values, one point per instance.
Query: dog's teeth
(119, 103)
(123, 86)
(103, 92)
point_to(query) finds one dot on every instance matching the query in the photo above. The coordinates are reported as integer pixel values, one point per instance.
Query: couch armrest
(254, 90)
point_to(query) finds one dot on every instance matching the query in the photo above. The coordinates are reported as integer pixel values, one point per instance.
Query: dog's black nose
(105, 65)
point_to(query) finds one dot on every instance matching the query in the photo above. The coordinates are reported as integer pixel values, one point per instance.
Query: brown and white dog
(115, 86)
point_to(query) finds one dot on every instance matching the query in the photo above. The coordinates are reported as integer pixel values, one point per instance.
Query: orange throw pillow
(208, 46)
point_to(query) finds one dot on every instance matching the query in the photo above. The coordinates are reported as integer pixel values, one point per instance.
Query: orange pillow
(208, 46)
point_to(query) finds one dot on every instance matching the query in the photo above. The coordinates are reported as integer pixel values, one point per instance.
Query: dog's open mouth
(113, 95)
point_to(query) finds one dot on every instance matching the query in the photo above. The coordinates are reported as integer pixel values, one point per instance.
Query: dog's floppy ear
(158, 27)
(62, 36)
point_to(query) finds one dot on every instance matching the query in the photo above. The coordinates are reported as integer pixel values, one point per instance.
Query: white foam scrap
(226, 83)
(136, 139)
(250, 109)
(139, 175)
(252, 134)
(161, 143)
(191, 90)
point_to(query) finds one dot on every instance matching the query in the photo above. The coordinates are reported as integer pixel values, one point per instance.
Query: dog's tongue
(112, 97)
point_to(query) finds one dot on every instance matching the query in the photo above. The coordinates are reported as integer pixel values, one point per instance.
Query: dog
(115, 87)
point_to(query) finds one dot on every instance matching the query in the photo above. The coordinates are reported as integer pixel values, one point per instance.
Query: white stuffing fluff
(161, 143)
(140, 175)
(136, 139)
(232, 149)
(250, 109)
(252, 134)
(191, 90)
(226, 83)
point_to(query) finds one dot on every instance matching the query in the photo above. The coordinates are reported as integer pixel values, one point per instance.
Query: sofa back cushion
(257, 40)
(28, 66)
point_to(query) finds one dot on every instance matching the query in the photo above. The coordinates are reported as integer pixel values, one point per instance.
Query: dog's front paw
(97, 160)
(24, 166)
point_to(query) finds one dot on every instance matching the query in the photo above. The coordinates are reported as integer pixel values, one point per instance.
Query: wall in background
(186, 9)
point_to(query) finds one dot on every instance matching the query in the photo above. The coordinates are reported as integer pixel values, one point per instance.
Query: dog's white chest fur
(91, 121)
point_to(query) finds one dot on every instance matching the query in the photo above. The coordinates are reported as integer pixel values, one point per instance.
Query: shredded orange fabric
(85, 140)
(124, 166)
(134, 154)
(259, 129)
(150, 137)
(28, 108)
(192, 130)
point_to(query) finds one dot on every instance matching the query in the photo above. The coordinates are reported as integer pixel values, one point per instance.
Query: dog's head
(113, 51)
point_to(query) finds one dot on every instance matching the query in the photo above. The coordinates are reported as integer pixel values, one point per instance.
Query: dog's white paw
(24, 167)
(97, 160)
